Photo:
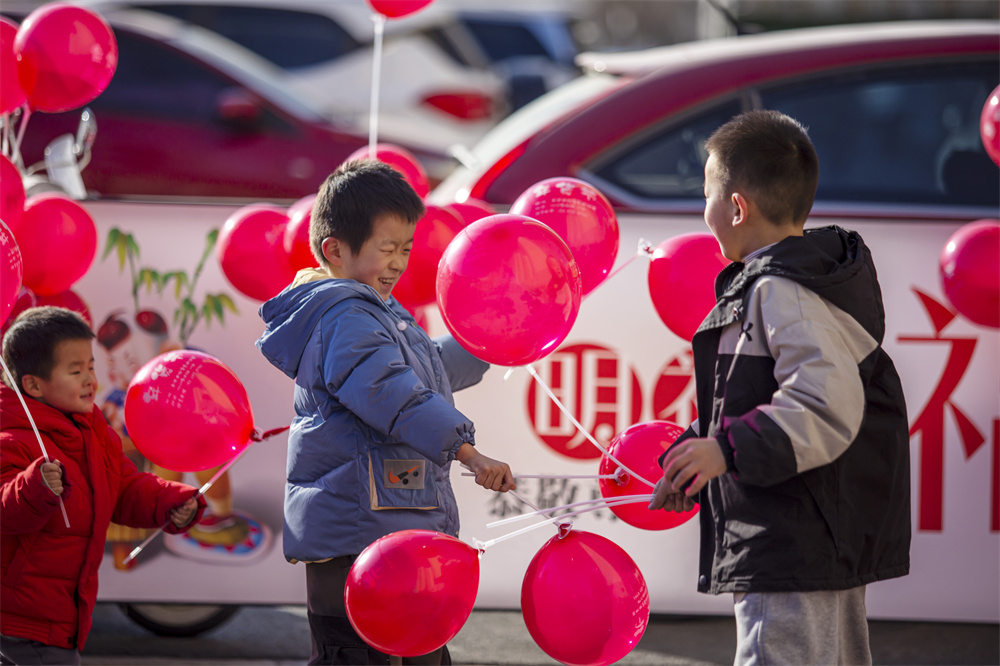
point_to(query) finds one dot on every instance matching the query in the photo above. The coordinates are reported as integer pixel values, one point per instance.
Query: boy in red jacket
(48, 571)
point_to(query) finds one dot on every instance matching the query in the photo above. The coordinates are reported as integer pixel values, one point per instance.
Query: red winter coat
(48, 572)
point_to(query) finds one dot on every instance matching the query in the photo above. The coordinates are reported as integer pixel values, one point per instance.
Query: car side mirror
(239, 109)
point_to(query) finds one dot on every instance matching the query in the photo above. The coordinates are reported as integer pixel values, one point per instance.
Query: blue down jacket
(375, 427)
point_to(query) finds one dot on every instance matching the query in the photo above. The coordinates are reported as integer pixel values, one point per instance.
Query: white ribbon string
(379, 20)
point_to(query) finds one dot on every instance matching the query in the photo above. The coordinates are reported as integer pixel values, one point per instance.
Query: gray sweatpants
(802, 628)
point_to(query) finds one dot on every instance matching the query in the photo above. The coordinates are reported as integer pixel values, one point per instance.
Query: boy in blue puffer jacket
(376, 428)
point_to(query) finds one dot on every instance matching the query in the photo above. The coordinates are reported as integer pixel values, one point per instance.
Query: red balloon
(11, 93)
(471, 210)
(11, 272)
(70, 300)
(582, 216)
(508, 289)
(398, 8)
(639, 448)
(296, 238)
(52, 221)
(584, 600)
(989, 125)
(410, 592)
(434, 231)
(969, 266)
(66, 56)
(682, 280)
(11, 193)
(251, 251)
(399, 159)
(186, 411)
(25, 299)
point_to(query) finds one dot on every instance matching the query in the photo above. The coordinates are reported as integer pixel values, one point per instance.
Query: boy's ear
(31, 386)
(333, 250)
(740, 208)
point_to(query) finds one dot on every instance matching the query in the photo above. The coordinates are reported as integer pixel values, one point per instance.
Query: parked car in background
(190, 114)
(432, 95)
(893, 110)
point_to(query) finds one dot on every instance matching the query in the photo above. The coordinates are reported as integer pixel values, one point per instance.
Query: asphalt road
(262, 635)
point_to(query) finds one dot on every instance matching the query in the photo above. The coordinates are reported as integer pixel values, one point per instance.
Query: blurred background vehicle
(190, 114)
(437, 88)
(892, 108)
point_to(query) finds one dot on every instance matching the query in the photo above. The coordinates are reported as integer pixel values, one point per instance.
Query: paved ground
(279, 636)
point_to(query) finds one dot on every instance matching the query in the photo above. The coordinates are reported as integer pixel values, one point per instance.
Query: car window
(501, 40)
(156, 81)
(900, 136)
(288, 38)
(671, 163)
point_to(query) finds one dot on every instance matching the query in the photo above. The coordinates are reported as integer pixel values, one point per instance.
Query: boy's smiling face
(381, 260)
(720, 211)
(72, 384)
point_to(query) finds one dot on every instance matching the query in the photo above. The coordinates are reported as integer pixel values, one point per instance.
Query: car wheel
(178, 619)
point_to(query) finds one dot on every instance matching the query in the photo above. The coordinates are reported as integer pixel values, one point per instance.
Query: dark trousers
(26, 651)
(334, 640)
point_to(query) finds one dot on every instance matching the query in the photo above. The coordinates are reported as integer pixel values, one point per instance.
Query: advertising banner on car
(619, 366)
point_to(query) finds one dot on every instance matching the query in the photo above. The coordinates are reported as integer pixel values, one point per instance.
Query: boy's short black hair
(769, 156)
(29, 346)
(352, 197)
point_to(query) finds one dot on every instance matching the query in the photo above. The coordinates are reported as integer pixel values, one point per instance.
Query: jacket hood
(291, 316)
(830, 261)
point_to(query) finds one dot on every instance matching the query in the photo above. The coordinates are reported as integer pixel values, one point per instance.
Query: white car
(428, 96)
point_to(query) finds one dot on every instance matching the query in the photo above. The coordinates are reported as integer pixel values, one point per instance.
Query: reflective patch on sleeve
(405, 474)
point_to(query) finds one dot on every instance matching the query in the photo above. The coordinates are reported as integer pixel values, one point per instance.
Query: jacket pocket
(400, 478)
(12, 573)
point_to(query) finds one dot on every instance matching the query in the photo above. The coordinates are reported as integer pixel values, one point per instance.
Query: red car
(190, 114)
(892, 108)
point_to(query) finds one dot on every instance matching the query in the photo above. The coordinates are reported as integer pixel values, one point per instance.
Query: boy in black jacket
(800, 454)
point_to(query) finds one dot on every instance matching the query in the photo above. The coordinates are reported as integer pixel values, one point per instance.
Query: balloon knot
(622, 477)
(565, 528)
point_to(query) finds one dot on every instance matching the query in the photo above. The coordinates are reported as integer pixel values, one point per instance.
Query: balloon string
(483, 545)
(523, 500)
(38, 436)
(598, 502)
(645, 248)
(376, 76)
(562, 408)
(255, 436)
(557, 476)
(16, 152)
(5, 141)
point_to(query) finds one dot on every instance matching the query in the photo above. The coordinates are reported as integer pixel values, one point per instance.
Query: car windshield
(249, 69)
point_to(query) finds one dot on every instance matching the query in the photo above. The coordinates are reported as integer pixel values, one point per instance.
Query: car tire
(178, 620)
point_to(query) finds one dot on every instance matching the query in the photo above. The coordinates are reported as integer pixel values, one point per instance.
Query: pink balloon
(584, 600)
(70, 300)
(639, 447)
(11, 94)
(296, 238)
(50, 221)
(582, 216)
(66, 56)
(434, 231)
(186, 411)
(398, 8)
(11, 272)
(25, 299)
(471, 210)
(251, 251)
(969, 266)
(399, 159)
(682, 281)
(11, 193)
(989, 125)
(508, 289)
(410, 592)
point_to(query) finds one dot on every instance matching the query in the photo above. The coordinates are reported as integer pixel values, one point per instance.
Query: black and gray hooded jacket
(808, 410)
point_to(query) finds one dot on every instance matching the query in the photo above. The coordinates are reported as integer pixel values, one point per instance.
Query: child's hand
(698, 460)
(52, 475)
(490, 474)
(665, 498)
(182, 514)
